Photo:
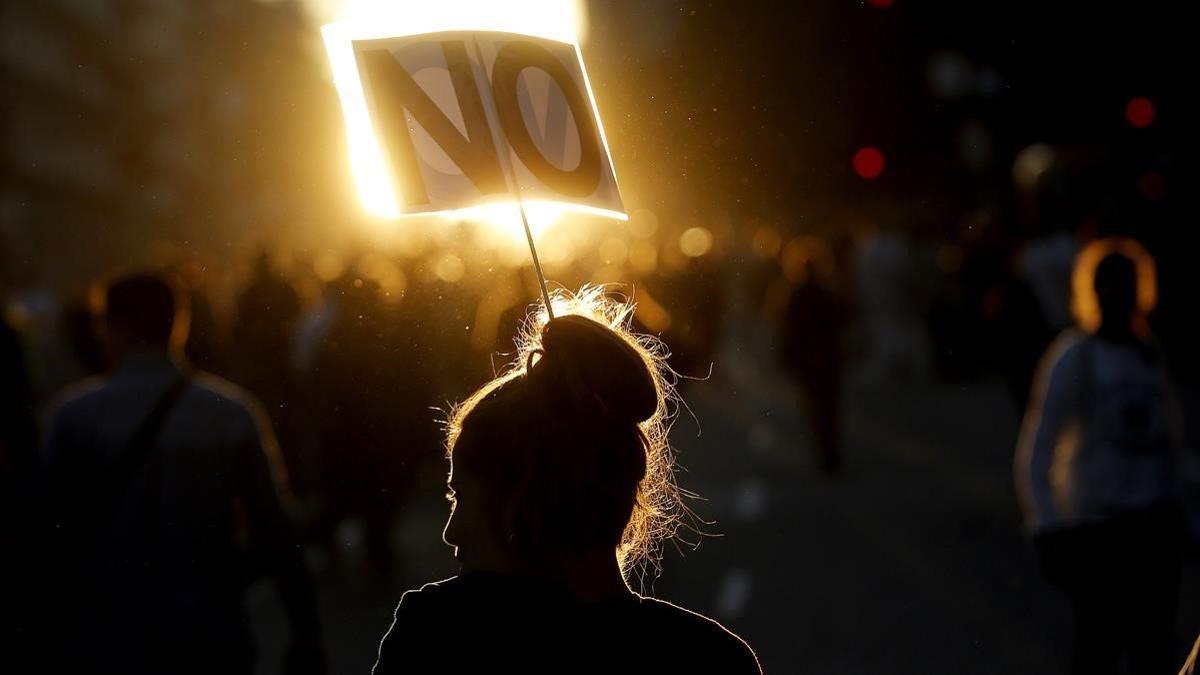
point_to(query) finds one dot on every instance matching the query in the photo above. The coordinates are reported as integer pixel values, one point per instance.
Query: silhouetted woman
(1096, 468)
(560, 487)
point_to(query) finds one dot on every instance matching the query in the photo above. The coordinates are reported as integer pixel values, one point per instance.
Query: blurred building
(130, 125)
(66, 133)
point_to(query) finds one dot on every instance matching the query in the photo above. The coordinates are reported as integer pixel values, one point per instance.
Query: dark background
(196, 134)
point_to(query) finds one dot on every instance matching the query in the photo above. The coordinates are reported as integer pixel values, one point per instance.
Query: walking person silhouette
(164, 483)
(1097, 466)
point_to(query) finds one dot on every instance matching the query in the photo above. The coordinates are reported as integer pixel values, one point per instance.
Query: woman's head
(1113, 286)
(565, 453)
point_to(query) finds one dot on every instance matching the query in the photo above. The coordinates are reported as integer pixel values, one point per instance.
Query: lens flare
(561, 20)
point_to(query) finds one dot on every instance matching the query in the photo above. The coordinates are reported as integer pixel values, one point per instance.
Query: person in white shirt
(1096, 467)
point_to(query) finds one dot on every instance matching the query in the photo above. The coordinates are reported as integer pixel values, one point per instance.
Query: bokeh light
(1139, 112)
(868, 163)
(384, 272)
(328, 265)
(695, 242)
(643, 223)
(449, 268)
(1031, 163)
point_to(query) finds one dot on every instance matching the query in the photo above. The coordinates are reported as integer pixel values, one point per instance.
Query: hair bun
(586, 354)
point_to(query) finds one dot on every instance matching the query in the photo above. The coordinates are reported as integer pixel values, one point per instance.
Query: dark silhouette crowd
(198, 456)
(141, 502)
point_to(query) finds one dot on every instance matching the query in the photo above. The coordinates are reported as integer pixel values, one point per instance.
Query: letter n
(395, 91)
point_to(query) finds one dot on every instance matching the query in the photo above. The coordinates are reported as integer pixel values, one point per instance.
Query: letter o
(513, 58)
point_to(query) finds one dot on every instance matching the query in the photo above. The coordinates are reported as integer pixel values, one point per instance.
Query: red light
(868, 163)
(1139, 112)
(882, 4)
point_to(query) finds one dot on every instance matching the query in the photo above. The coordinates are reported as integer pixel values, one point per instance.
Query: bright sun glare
(561, 20)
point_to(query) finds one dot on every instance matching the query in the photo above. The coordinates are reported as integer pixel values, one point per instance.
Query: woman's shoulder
(491, 615)
(708, 641)
(445, 587)
(480, 594)
(431, 595)
(417, 635)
